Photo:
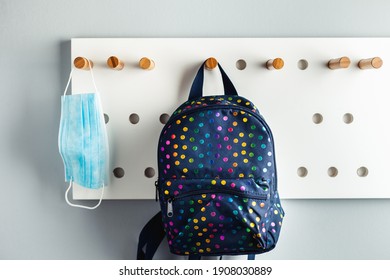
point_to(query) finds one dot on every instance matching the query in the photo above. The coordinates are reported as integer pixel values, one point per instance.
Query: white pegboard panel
(288, 99)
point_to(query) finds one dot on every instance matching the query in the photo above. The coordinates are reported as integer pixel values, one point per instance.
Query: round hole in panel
(241, 64)
(149, 172)
(303, 64)
(332, 171)
(362, 171)
(134, 118)
(164, 118)
(302, 171)
(317, 118)
(348, 118)
(106, 118)
(118, 172)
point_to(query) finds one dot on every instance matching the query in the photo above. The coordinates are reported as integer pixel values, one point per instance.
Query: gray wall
(35, 221)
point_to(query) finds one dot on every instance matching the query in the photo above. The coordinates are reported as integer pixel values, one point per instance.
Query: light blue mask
(83, 141)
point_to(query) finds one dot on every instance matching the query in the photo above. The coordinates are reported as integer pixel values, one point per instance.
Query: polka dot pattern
(217, 179)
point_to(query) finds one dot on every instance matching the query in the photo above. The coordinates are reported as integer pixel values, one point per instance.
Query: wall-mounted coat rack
(330, 126)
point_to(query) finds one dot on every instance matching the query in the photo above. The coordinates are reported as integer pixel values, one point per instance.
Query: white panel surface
(288, 99)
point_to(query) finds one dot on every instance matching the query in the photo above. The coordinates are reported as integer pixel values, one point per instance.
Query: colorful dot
(185, 129)
(241, 134)
(245, 120)
(178, 121)
(185, 170)
(219, 128)
(230, 129)
(177, 162)
(235, 123)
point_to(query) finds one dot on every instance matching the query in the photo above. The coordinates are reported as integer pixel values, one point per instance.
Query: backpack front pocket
(220, 220)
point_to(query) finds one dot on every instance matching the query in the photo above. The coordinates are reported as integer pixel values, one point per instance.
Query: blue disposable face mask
(82, 141)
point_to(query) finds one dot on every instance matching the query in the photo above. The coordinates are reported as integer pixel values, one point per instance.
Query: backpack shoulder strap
(150, 238)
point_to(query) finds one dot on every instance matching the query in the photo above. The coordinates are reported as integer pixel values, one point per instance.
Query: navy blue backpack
(217, 181)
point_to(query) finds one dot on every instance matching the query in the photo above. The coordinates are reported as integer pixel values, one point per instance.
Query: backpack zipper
(171, 199)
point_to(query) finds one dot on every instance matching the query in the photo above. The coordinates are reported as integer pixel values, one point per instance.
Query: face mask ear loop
(67, 84)
(82, 206)
(93, 78)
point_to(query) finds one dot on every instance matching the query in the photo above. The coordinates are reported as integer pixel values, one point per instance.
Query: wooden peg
(146, 63)
(338, 63)
(211, 63)
(370, 63)
(82, 63)
(114, 63)
(276, 64)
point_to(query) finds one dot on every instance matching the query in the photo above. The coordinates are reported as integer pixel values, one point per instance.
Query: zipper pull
(264, 183)
(156, 184)
(169, 208)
